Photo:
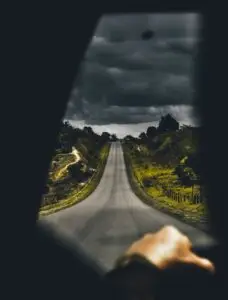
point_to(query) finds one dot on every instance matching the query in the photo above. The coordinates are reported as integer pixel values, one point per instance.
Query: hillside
(79, 155)
(165, 163)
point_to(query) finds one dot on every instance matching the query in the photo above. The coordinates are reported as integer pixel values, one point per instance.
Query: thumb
(200, 262)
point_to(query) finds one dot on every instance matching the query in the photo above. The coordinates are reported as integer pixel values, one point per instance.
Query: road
(111, 218)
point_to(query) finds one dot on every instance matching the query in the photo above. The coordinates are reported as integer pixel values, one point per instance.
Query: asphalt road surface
(111, 218)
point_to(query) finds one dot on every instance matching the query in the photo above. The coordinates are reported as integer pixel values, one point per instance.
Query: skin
(168, 247)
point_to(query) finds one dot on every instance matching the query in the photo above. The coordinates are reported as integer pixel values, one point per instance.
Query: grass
(61, 161)
(154, 196)
(186, 210)
(162, 175)
(77, 196)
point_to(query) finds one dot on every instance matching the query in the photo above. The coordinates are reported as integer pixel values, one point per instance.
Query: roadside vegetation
(76, 168)
(164, 170)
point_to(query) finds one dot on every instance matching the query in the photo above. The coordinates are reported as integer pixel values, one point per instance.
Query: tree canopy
(151, 132)
(167, 123)
(70, 136)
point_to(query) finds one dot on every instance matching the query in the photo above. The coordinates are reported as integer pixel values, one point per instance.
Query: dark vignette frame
(44, 46)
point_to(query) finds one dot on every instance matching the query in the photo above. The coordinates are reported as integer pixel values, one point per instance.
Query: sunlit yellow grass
(63, 161)
(187, 209)
(163, 176)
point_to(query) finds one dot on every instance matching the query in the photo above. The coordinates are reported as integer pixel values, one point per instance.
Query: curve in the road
(112, 217)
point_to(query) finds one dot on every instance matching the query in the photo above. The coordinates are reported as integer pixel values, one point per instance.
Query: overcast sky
(126, 84)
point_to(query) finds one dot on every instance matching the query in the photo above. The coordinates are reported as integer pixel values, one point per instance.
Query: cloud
(134, 115)
(129, 27)
(98, 40)
(129, 122)
(125, 80)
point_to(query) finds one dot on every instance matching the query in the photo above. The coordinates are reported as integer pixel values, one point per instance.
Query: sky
(126, 84)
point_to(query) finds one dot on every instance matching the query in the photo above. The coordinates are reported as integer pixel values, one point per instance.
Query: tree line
(172, 144)
(70, 136)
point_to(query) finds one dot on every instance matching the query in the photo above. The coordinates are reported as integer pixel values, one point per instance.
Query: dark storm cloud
(130, 27)
(126, 80)
(151, 116)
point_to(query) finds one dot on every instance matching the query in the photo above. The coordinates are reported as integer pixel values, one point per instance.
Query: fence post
(192, 193)
(201, 193)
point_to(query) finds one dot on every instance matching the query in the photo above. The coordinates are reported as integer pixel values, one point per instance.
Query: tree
(88, 130)
(151, 132)
(129, 138)
(194, 161)
(143, 136)
(104, 138)
(114, 137)
(66, 124)
(76, 171)
(105, 135)
(167, 123)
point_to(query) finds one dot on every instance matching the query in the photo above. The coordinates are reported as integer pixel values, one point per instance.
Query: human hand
(168, 247)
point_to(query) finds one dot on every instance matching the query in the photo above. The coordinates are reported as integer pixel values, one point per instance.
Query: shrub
(147, 182)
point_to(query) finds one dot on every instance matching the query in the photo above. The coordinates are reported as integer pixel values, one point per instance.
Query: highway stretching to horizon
(113, 217)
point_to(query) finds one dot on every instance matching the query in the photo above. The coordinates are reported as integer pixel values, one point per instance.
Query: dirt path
(60, 173)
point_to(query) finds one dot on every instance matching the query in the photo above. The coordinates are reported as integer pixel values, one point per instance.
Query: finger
(200, 262)
(148, 235)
